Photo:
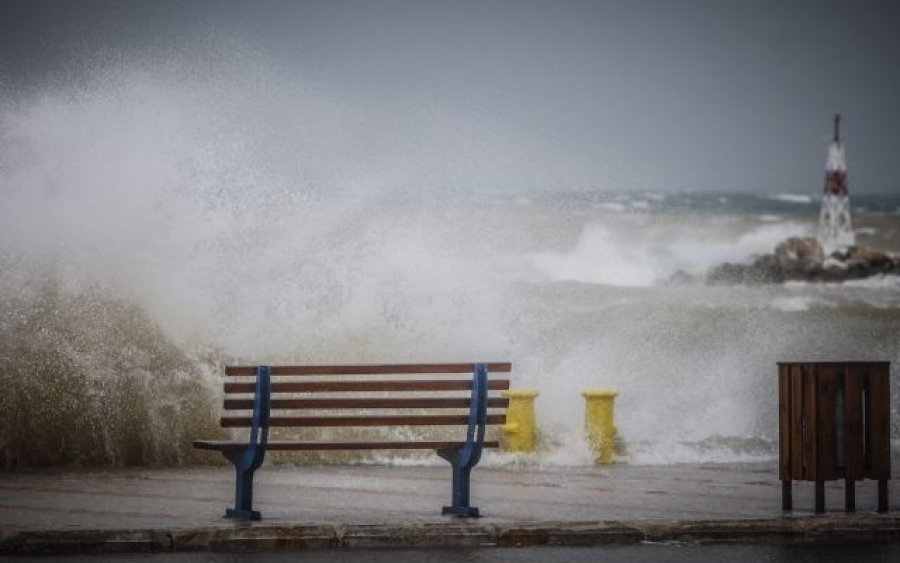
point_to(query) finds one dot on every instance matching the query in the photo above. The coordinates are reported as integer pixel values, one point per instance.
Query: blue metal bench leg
(243, 496)
(463, 458)
(249, 459)
(461, 506)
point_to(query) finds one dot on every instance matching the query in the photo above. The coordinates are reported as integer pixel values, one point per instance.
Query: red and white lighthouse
(835, 231)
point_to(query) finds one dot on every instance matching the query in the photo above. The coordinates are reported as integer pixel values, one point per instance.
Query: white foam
(793, 198)
(890, 282)
(600, 257)
(604, 256)
(793, 304)
(612, 206)
(667, 453)
(880, 282)
(765, 238)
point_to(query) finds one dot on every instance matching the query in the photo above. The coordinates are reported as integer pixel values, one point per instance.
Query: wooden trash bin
(834, 423)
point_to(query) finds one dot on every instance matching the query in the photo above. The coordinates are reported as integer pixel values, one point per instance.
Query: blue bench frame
(462, 459)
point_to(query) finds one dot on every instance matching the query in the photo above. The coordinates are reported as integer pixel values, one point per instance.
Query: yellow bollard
(599, 424)
(519, 430)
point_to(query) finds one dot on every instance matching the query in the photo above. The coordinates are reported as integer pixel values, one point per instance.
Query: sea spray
(89, 379)
(650, 252)
(139, 226)
(157, 220)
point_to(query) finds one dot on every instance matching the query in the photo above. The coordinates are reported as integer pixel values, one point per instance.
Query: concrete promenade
(365, 506)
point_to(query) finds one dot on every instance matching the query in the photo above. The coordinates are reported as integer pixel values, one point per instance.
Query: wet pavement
(879, 552)
(364, 506)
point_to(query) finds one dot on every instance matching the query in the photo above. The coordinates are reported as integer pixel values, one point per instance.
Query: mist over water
(159, 220)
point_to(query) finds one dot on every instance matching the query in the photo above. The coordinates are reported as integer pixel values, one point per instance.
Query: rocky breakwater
(804, 259)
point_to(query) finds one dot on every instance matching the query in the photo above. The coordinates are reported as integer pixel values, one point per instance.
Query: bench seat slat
(369, 403)
(350, 386)
(371, 369)
(224, 445)
(370, 420)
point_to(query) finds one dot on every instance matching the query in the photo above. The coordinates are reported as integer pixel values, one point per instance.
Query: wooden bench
(361, 396)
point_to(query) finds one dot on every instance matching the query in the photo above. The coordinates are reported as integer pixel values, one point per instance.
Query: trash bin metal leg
(849, 495)
(820, 497)
(787, 498)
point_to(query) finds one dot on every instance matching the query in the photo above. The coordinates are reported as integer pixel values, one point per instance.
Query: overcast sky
(724, 95)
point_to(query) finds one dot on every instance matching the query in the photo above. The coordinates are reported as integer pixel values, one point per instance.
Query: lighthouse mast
(835, 232)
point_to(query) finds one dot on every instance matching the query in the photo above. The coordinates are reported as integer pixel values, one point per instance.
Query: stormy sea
(145, 241)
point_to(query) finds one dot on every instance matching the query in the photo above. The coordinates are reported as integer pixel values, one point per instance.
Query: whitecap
(600, 257)
(792, 304)
(764, 238)
(793, 198)
(612, 206)
(882, 281)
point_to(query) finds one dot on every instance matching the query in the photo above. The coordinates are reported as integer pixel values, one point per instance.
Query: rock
(804, 250)
(764, 269)
(872, 257)
(803, 259)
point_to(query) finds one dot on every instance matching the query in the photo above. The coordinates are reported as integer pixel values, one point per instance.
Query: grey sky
(717, 95)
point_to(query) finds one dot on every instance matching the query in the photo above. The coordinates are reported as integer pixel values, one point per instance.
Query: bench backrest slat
(373, 369)
(368, 403)
(370, 420)
(369, 385)
(321, 396)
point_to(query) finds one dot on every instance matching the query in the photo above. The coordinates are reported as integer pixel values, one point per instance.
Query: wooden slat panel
(797, 422)
(878, 412)
(372, 369)
(809, 423)
(364, 420)
(853, 389)
(369, 403)
(825, 438)
(222, 445)
(349, 386)
(784, 422)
